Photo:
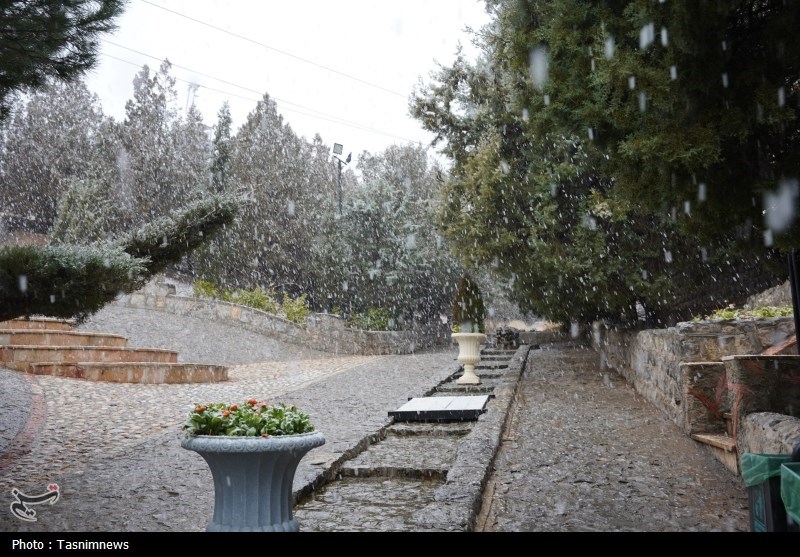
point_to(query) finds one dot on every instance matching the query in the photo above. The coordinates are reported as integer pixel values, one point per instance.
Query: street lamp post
(337, 150)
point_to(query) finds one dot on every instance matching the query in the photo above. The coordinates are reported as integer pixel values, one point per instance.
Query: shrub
(296, 310)
(204, 289)
(374, 319)
(731, 312)
(468, 307)
(258, 299)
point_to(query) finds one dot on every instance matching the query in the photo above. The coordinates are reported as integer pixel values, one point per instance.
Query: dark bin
(762, 477)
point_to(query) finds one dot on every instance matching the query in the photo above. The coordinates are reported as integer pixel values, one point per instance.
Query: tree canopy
(616, 157)
(74, 281)
(41, 39)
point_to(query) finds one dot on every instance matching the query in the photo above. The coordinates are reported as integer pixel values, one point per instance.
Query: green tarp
(790, 489)
(759, 468)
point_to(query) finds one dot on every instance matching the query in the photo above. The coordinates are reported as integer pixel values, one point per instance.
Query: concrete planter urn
(253, 479)
(469, 355)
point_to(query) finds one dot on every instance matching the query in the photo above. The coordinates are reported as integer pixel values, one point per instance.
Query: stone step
(21, 357)
(498, 352)
(39, 323)
(454, 389)
(405, 456)
(46, 337)
(490, 365)
(397, 504)
(722, 447)
(134, 372)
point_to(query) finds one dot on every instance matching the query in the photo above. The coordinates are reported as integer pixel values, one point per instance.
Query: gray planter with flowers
(253, 472)
(253, 479)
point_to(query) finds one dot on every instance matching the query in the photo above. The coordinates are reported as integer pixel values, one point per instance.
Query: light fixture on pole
(337, 150)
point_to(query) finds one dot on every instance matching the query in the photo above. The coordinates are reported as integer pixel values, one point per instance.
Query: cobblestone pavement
(583, 452)
(114, 449)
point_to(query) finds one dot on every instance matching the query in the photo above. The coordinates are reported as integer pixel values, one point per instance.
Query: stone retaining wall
(659, 362)
(323, 332)
(650, 359)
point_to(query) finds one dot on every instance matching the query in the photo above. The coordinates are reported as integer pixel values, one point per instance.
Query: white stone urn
(469, 354)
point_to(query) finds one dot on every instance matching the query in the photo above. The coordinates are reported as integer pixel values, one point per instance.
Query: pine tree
(58, 135)
(166, 156)
(44, 39)
(221, 148)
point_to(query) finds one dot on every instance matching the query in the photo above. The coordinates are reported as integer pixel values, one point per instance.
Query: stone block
(236, 312)
(705, 397)
(768, 433)
(763, 384)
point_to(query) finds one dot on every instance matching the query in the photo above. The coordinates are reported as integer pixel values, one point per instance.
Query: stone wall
(769, 433)
(651, 359)
(323, 332)
(780, 295)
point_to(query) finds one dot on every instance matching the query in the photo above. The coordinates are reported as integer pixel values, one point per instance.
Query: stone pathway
(585, 453)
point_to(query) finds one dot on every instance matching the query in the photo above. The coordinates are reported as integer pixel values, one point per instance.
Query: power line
(228, 82)
(348, 76)
(325, 117)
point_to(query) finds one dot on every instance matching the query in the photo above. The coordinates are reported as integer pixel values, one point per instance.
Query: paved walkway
(114, 449)
(583, 452)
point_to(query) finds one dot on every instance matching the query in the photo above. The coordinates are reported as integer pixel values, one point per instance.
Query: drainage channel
(392, 485)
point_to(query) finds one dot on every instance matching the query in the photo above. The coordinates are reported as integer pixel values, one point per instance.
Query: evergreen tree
(165, 158)
(58, 135)
(77, 280)
(86, 214)
(44, 39)
(386, 248)
(542, 186)
(270, 244)
(221, 148)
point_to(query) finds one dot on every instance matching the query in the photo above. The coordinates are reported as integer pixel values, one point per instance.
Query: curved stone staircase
(44, 346)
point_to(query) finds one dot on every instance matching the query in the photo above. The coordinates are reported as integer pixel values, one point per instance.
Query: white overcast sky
(341, 69)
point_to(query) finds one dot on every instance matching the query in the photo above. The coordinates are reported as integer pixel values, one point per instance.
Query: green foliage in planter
(249, 419)
(65, 281)
(731, 312)
(469, 310)
(374, 319)
(296, 310)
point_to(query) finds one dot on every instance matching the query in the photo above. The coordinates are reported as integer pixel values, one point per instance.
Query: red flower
(200, 409)
(234, 407)
(225, 413)
(265, 435)
(252, 402)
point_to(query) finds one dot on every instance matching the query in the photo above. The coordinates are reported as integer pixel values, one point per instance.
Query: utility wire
(325, 117)
(232, 84)
(348, 76)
